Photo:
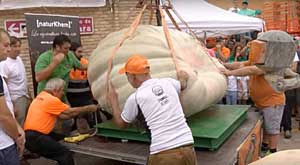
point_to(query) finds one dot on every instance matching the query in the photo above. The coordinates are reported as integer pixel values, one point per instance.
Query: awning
(203, 17)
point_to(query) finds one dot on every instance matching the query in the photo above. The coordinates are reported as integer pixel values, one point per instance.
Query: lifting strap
(168, 38)
(129, 32)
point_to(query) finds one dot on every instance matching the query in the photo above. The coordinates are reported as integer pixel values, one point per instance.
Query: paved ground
(294, 142)
(284, 144)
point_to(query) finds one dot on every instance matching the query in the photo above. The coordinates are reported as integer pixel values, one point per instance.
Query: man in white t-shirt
(158, 101)
(231, 96)
(12, 137)
(13, 71)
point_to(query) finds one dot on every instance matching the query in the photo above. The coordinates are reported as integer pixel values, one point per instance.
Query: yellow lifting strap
(76, 139)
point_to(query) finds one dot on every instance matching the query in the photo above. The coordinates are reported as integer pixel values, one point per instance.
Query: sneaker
(264, 149)
(268, 153)
(287, 134)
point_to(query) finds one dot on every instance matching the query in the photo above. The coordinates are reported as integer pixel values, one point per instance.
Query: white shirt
(5, 140)
(232, 83)
(296, 58)
(244, 80)
(160, 105)
(13, 71)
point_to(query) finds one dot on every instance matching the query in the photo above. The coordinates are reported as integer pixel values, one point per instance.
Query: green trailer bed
(210, 127)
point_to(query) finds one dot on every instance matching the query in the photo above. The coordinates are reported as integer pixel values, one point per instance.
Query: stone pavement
(294, 142)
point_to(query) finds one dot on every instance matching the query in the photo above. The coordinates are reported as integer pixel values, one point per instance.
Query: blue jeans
(9, 156)
(231, 97)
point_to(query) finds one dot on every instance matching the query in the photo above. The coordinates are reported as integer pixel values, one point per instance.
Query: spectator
(211, 42)
(292, 101)
(245, 10)
(222, 52)
(57, 62)
(230, 43)
(236, 54)
(40, 121)
(79, 92)
(245, 51)
(231, 96)
(13, 71)
(12, 135)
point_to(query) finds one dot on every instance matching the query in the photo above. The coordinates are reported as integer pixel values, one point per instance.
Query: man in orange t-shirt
(41, 118)
(267, 100)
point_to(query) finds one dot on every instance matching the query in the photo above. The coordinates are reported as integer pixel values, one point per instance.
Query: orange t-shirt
(224, 50)
(77, 74)
(43, 112)
(262, 93)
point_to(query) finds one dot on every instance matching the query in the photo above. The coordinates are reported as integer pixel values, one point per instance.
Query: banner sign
(42, 29)
(17, 27)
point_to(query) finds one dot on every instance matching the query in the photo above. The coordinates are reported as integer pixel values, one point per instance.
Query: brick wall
(105, 22)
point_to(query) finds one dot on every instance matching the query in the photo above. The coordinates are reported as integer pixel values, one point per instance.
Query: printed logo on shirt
(158, 91)
(164, 100)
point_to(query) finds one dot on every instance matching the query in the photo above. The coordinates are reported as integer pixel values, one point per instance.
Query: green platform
(210, 127)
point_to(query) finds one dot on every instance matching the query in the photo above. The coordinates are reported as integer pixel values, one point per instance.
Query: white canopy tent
(206, 19)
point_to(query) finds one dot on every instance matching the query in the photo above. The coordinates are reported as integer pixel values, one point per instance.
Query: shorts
(242, 97)
(22, 104)
(184, 155)
(9, 156)
(272, 118)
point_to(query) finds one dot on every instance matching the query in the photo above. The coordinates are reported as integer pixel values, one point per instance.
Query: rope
(168, 38)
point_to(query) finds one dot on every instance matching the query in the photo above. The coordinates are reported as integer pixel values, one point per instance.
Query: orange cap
(136, 64)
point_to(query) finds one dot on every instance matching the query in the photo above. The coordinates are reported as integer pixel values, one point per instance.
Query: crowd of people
(43, 121)
(232, 49)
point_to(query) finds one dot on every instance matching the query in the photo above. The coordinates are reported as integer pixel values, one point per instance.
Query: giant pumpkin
(206, 85)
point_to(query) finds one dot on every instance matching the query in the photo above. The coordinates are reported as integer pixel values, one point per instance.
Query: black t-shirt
(1, 87)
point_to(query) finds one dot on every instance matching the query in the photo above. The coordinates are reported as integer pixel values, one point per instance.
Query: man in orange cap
(158, 101)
